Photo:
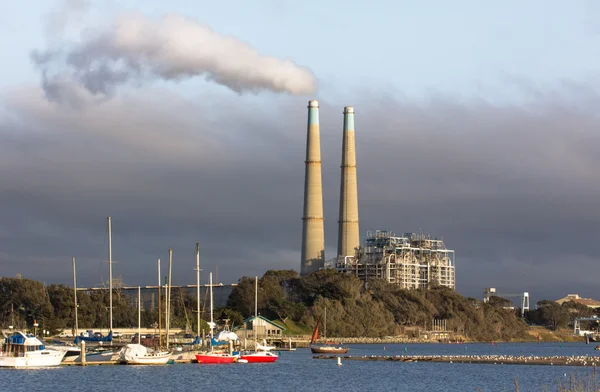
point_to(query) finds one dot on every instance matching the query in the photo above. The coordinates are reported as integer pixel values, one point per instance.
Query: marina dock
(481, 359)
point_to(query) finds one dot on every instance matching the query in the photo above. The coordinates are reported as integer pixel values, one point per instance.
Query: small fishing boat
(26, 351)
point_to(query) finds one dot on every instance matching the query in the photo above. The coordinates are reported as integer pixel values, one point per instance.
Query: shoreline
(432, 341)
(478, 359)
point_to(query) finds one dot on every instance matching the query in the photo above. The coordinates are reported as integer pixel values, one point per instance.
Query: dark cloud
(513, 189)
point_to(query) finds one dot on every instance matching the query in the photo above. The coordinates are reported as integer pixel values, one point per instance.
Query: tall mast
(198, 286)
(255, 311)
(159, 325)
(75, 329)
(110, 282)
(211, 310)
(325, 326)
(166, 309)
(139, 315)
(168, 321)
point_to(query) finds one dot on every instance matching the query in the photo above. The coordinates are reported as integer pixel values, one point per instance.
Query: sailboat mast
(110, 282)
(75, 328)
(166, 309)
(159, 315)
(168, 321)
(139, 315)
(198, 287)
(255, 312)
(325, 326)
(211, 310)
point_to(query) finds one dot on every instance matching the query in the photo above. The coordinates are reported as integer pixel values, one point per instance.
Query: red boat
(260, 356)
(215, 358)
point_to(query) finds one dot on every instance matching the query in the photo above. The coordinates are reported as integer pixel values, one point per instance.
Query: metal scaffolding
(413, 261)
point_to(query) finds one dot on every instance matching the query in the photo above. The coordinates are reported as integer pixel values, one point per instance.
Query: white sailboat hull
(44, 358)
(148, 359)
(137, 354)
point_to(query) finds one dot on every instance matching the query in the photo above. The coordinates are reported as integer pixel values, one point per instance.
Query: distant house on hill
(260, 326)
(590, 303)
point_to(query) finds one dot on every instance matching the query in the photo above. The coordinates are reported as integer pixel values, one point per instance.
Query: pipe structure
(348, 230)
(313, 237)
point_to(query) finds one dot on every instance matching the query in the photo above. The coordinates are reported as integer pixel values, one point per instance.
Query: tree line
(354, 308)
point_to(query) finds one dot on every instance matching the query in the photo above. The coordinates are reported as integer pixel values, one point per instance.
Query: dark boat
(92, 338)
(327, 347)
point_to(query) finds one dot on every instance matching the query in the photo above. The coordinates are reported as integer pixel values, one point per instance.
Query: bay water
(298, 371)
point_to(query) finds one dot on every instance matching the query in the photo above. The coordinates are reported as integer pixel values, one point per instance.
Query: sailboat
(262, 353)
(327, 347)
(138, 354)
(213, 357)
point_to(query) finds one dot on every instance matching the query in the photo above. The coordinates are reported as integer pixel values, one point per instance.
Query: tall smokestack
(348, 234)
(313, 237)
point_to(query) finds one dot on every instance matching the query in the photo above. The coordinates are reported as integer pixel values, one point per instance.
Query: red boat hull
(260, 358)
(208, 358)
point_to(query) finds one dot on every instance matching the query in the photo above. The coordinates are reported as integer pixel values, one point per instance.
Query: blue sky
(414, 48)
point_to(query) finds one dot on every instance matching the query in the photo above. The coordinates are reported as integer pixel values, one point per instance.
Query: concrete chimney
(313, 237)
(348, 232)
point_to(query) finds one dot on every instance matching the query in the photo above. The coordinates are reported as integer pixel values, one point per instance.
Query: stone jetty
(482, 359)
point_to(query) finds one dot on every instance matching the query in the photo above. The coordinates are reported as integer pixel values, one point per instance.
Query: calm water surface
(297, 371)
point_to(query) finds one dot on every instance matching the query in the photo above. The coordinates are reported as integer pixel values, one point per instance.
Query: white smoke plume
(136, 49)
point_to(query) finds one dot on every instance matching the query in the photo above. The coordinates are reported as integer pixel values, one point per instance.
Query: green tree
(553, 314)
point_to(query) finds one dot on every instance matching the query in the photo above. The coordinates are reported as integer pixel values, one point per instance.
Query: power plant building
(412, 261)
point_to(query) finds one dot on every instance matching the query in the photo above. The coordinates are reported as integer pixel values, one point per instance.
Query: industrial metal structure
(413, 261)
(348, 231)
(313, 236)
(524, 297)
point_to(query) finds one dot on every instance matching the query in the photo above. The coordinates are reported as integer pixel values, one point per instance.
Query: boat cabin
(18, 344)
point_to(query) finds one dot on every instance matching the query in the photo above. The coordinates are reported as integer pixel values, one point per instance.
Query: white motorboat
(26, 351)
(71, 351)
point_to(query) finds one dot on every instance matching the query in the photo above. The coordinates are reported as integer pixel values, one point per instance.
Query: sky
(186, 122)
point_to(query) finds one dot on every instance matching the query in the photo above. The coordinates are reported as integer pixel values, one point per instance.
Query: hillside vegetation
(377, 310)
(354, 309)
